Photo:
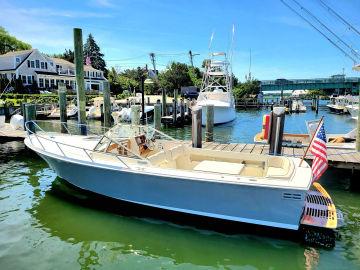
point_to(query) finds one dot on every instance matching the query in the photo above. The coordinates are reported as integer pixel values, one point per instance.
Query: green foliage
(127, 80)
(92, 50)
(175, 76)
(247, 88)
(316, 92)
(68, 55)
(195, 76)
(10, 43)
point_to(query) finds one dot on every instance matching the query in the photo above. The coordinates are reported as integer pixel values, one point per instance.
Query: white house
(33, 66)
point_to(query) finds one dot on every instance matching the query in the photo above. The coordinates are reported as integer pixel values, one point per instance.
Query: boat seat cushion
(219, 167)
(279, 167)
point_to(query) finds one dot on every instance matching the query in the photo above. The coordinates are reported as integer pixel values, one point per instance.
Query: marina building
(32, 66)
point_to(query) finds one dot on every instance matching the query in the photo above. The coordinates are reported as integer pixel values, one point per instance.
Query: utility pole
(191, 56)
(152, 59)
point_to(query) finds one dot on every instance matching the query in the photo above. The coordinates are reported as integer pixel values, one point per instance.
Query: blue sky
(283, 46)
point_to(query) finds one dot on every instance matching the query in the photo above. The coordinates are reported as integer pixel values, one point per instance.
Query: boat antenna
(319, 31)
(231, 53)
(337, 15)
(249, 74)
(211, 39)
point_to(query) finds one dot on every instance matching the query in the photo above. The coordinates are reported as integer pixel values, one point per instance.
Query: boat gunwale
(162, 172)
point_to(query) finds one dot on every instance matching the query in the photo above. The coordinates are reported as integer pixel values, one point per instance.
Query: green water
(45, 224)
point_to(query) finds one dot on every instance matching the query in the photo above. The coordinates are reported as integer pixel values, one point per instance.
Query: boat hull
(254, 204)
(222, 115)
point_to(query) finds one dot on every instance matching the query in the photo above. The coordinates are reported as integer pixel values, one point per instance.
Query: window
(45, 65)
(28, 62)
(47, 83)
(41, 82)
(32, 64)
(52, 83)
(51, 64)
(17, 59)
(42, 65)
(23, 78)
(67, 82)
(37, 63)
(29, 79)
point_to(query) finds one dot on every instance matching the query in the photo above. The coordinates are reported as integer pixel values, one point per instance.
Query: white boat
(71, 111)
(298, 106)
(353, 109)
(141, 165)
(124, 115)
(338, 104)
(94, 111)
(216, 90)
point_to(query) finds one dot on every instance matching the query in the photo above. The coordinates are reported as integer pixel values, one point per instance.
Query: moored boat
(141, 165)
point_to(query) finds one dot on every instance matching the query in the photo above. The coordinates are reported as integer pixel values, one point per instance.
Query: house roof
(63, 62)
(7, 59)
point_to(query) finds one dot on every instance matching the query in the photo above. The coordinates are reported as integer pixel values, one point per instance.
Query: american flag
(87, 61)
(318, 149)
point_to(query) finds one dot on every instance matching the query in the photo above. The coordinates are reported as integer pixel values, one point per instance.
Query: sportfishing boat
(298, 106)
(338, 104)
(353, 109)
(144, 166)
(94, 111)
(216, 89)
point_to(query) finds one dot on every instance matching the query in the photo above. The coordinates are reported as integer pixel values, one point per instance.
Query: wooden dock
(7, 133)
(338, 158)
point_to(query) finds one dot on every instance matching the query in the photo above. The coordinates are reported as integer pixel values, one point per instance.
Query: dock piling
(30, 112)
(80, 83)
(209, 128)
(135, 115)
(163, 97)
(276, 130)
(174, 112)
(62, 106)
(107, 105)
(196, 132)
(157, 116)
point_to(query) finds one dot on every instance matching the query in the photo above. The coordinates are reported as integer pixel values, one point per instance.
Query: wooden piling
(209, 128)
(80, 83)
(276, 130)
(157, 116)
(30, 112)
(135, 115)
(317, 105)
(62, 107)
(163, 96)
(182, 111)
(142, 89)
(358, 128)
(107, 105)
(174, 112)
(23, 113)
(196, 129)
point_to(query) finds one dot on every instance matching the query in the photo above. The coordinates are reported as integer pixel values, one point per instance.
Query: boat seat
(157, 158)
(279, 167)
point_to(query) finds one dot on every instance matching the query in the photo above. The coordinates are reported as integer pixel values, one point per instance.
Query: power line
(319, 31)
(337, 15)
(328, 29)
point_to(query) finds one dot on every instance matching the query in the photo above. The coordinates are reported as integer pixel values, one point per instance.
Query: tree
(250, 87)
(92, 50)
(175, 76)
(68, 55)
(195, 76)
(10, 43)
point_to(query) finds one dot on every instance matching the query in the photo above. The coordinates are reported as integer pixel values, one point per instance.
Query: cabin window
(37, 63)
(23, 78)
(41, 82)
(32, 64)
(29, 79)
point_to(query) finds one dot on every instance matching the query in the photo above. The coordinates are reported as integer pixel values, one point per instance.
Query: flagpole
(307, 149)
